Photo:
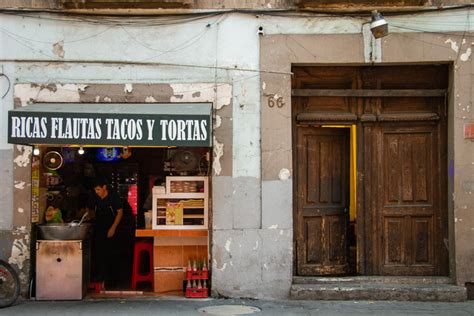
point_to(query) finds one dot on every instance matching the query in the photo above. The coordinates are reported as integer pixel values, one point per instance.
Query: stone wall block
(222, 203)
(246, 203)
(277, 210)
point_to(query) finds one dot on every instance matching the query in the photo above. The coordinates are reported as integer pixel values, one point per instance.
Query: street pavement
(174, 306)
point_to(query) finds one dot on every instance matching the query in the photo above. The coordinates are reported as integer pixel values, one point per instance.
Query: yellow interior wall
(353, 169)
(353, 177)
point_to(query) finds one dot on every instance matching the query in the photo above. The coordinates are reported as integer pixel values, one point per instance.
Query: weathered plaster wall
(457, 49)
(6, 181)
(218, 59)
(276, 131)
(279, 51)
(39, 74)
(20, 237)
(25, 94)
(197, 4)
(226, 4)
(73, 61)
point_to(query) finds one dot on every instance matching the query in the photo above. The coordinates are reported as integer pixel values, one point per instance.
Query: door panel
(314, 237)
(322, 200)
(406, 160)
(394, 241)
(408, 199)
(422, 226)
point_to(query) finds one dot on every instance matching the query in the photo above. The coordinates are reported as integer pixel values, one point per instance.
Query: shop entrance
(146, 255)
(138, 175)
(398, 223)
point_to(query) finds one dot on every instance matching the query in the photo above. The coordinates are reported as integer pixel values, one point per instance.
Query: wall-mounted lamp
(36, 151)
(378, 25)
(81, 151)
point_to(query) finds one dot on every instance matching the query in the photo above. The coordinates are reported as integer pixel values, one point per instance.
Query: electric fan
(53, 160)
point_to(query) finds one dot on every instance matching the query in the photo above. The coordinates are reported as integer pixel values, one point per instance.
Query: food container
(148, 220)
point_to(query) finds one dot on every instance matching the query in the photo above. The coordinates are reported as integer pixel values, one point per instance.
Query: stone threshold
(377, 288)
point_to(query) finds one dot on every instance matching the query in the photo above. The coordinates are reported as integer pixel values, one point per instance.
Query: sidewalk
(168, 306)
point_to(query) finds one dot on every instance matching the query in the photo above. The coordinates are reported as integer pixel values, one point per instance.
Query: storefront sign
(131, 129)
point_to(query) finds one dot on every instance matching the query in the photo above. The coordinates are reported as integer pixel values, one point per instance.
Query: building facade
(325, 138)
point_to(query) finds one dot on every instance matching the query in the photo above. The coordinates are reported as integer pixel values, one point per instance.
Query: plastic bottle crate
(194, 292)
(197, 275)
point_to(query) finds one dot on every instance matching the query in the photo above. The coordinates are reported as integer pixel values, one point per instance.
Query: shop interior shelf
(188, 216)
(164, 207)
(172, 233)
(192, 207)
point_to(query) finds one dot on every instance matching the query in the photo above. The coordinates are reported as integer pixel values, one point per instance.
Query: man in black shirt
(108, 211)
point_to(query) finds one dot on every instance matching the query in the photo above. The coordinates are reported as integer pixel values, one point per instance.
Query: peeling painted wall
(121, 93)
(223, 60)
(400, 47)
(248, 4)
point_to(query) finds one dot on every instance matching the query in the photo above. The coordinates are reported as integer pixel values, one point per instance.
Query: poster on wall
(35, 187)
(174, 213)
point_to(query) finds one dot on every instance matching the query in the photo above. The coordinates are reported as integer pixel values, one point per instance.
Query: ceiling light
(81, 151)
(378, 25)
(36, 151)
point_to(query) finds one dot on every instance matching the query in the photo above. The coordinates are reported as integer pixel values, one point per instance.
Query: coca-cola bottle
(204, 265)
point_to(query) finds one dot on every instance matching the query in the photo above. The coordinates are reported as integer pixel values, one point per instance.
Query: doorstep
(377, 288)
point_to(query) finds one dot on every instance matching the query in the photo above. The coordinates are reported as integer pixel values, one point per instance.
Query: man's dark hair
(100, 182)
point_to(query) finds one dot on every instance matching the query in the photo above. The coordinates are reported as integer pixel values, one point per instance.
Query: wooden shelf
(192, 203)
(187, 216)
(171, 233)
(196, 207)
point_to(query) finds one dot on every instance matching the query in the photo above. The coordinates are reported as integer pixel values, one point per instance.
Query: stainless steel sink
(63, 231)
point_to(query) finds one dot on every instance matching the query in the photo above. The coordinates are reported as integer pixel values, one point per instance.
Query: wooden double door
(403, 229)
(401, 225)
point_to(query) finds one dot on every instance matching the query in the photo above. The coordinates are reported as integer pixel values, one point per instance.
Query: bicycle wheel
(9, 285)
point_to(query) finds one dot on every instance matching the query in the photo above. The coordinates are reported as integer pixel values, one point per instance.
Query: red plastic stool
(96, 287)
(142, 246)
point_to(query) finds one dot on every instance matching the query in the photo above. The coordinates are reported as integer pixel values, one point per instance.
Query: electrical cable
(391, 10)
(467, 26)
(182, 19)
(181, 46)
(6, 32)
(158, 20)
(188, 17)
(9, 84)
(167, 20)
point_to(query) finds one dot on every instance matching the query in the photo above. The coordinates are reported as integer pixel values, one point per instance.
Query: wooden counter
(171, 233)
(173, 249)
